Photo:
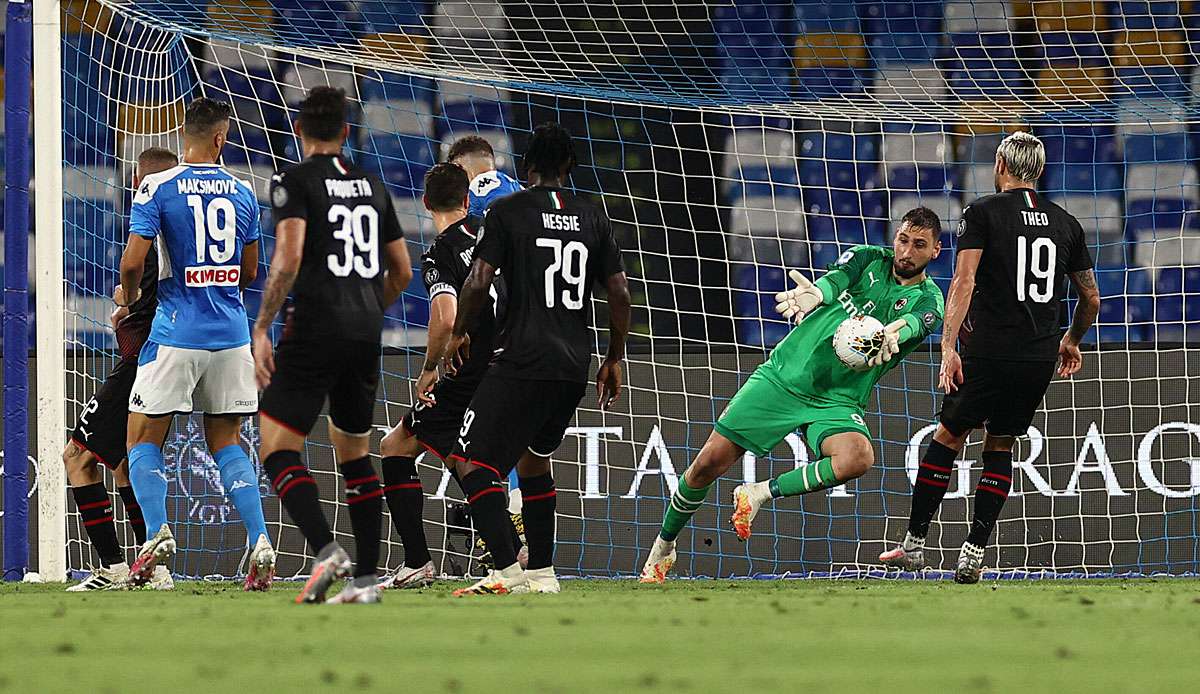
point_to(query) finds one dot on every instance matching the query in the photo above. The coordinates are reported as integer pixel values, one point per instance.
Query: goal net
(729, 142)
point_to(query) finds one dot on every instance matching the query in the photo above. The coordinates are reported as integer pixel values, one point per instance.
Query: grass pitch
(614, 636)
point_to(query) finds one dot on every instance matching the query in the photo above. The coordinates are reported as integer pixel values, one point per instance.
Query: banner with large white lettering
(1107, 480)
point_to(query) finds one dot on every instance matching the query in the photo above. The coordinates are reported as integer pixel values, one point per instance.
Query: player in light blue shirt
(197, 358)
(477, 158)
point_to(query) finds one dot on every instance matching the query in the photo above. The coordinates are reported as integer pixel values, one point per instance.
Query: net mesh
(728, 142)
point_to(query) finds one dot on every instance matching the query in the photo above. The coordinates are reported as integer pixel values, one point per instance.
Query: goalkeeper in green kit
(803, 385)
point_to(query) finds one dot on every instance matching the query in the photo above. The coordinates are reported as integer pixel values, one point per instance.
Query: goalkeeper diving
(804, 386)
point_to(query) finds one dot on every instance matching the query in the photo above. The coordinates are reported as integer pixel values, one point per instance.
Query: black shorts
(103, 422)
(1001, 396)
(436, 426)
(509, 416)
(306, 371)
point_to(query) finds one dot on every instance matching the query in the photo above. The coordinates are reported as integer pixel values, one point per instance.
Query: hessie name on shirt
(560, 222)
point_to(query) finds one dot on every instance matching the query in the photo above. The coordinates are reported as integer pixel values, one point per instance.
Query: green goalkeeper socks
(810, 477)
(684, 502)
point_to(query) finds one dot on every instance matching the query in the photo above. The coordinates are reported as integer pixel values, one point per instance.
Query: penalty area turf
(614, 636)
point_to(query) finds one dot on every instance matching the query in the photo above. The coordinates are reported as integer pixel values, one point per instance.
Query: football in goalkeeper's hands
(856, 340)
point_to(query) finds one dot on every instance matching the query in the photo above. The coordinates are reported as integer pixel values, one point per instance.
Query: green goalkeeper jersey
(860, 282)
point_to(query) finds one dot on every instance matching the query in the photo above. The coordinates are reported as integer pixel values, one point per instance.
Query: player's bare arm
(249, 269)
(608, 378)
(285, 265)
(1085, 314)
(961, 289)
(470, 301)
(399, 272)
(442, 309)
(133, 264)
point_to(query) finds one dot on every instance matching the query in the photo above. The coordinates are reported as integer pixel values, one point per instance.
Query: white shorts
(174, 380)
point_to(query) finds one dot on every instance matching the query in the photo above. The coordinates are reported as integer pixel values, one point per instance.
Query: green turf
(610, 636)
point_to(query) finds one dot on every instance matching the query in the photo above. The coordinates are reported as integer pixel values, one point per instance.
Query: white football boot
(103, 578)
(659, 563)
(970, 564)
(407, 577)
(360, 595)
(161, 580)
(907, 556)
(157, 550)
(262, 566)
(324, 573)
(540, 581)
(510, 580)
(747, 500)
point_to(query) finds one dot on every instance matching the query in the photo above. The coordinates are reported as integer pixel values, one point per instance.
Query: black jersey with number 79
(1029, 247)
(552, 247)
(349, 218)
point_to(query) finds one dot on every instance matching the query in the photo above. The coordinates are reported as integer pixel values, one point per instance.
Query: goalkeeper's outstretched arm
(795, 303)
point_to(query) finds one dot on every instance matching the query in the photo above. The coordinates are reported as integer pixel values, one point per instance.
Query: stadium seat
(1103, 226)
(1066, 84)
(771, 146)
(754, 289)
(298, 76)
(976, 144)
(240, 57)
(913, 82)
(1052, 17)
(902, 32)
(1152, 181)
(393, 16)
(248, 145)
(1126, 305)
(402, 160)
(978, 18)
(976, 180)
(826, 17)
(1147, 15)
(946, 205)
(316, 22)
(770, 217)
(416, 222)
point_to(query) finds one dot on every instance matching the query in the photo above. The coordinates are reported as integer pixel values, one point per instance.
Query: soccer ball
(854, 341)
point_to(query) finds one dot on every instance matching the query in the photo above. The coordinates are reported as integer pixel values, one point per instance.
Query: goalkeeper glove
(794, 303)
(889, 343)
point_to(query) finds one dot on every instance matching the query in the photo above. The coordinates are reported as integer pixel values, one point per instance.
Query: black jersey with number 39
(349, 219)
(552, 248)
(1029, 247)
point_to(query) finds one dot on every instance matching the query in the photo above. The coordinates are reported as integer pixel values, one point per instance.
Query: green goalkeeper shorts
(763, 413)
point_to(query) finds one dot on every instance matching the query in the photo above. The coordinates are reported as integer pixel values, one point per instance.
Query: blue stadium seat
(318, 22)
(392, 16)
(1166, 213)
(247, 145)
(1162, 147)
(826, 17)
(473, 115)
(1126, 305)
(823, 253)
(1082, 159)
(1078, 49)
(902, 32)
(377, 85)
(1147, 15)
(92, 248)
(754, 289)
(402, 160)
(1154, 82)
(819, 83)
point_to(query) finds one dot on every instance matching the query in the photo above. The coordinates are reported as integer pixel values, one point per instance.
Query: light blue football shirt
(488, 187)
(202, 217)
